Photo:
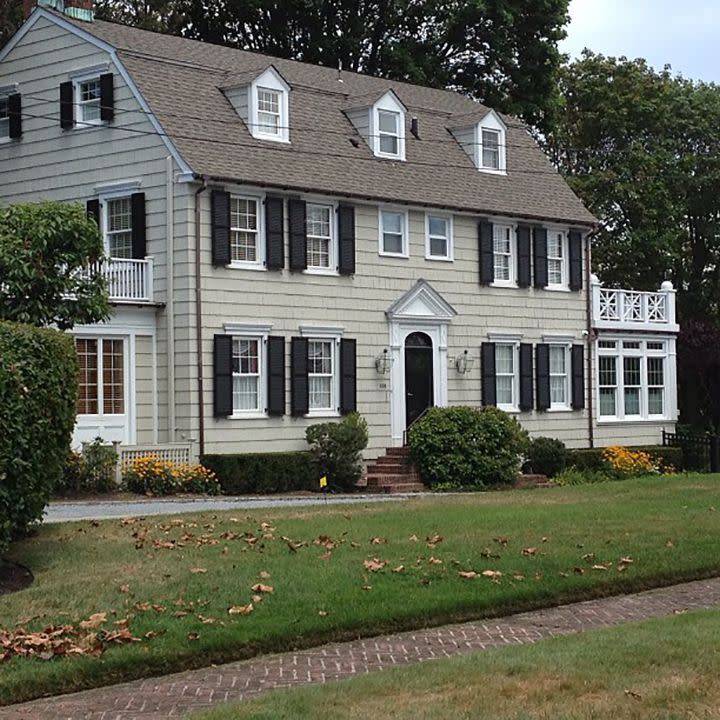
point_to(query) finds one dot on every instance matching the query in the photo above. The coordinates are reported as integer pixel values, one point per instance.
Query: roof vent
(414, 128)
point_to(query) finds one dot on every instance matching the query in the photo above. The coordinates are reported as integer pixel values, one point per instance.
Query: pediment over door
(422, 302)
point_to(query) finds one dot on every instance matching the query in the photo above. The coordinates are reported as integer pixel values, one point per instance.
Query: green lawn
(666, 526)
(656, 670)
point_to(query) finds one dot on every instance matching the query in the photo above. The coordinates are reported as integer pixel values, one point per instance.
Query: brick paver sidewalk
(176, 695)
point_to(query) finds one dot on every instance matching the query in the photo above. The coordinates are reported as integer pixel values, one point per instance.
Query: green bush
(467, 447)
(546, 456)
(90, 471)
(151, 475)
(575, 476)
(336, 448)
(592, 458)
(263, 473)
(38, 391)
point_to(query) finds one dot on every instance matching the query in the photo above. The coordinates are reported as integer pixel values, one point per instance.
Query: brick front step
(393, 472)
(385, 480)
(532, 481)
(405, 487)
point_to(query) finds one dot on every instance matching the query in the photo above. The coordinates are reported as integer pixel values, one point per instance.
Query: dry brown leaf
(374, 565)
(325, 556)
(322, 613)
(518, 576)
(325, 541)
(626, 560)
(589, 557)
(260, 588)
(413, 538)
(179, 614)
(94, 621)
(433, 540)
(257, 598)
(193, 636)
(435, 561)
(493, 574)
(197, 570)
(469, 574)
(669, 544)
(241, 609)
(398, 569)
(366, 587)
(502, 540)
(578, 571)
(528, 551)
(124, 589)
(264, 575)
(378, 541)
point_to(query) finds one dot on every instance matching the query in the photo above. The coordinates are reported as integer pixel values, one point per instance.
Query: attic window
(268, 111)
(389, 132)
(490, 149)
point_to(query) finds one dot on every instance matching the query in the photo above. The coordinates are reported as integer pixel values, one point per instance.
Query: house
(290, 242)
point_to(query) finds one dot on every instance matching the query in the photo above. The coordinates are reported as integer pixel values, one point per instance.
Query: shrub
(547, 456)
(467, 447)
(151, 475)
(574, 476)
(263, 473)
(667, 459)
(336, 448)
(90, 471)
(38, 390)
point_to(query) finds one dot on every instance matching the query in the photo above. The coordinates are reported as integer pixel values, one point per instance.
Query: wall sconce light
(382, 362)
(464, 363)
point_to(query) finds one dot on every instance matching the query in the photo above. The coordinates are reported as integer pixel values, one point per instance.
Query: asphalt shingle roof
(181, 80)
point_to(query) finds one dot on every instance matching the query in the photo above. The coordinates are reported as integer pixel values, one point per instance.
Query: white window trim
(564, 284)
(389, 103)
(491, 122)
(405, 240)
(104, 216)
(260, 262)
(270, 80)
(332, 268)
(512, 281)
(249, 331)
(77, 80)
(4, 95)
(333, 336)
(128, 379)
(567, 405)
(619, 352)
(513, 407)
(449, 219)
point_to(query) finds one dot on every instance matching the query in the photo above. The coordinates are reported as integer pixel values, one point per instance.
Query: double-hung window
(4, 118)
(656, 385)
(87, 101)
(321, 375)
(559, 377)
(320, 237)
(393, 233)
(503, 254)
(118, 228)
(506, 380)
(388, 133)
(247, 373)
(438, 244)
(269, 112)
(490, 148)
(244, 230)
(101, 390)
(557, 259)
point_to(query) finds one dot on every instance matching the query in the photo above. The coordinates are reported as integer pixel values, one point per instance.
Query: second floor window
(439, 241)
(556, 259)
(118, 228)
(503, 241)
(321, 362)
(268, 111)
(392, 233)
(244, 229)
(88, 101)
(490, 149)
(4, 118)
(388, 132)
(319, 236)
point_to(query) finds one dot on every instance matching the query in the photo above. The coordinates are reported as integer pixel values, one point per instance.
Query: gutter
(198, 318)
(170, 306)
(590, 337)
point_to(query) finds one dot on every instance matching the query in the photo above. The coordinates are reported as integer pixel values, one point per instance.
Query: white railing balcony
(616, 309)
(128, 280)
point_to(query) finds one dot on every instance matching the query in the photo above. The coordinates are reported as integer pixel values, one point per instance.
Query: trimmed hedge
(263, 473)
(38, 392)
(591, 458)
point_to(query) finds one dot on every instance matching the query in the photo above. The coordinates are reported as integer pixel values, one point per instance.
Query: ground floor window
(102, 376)
(632, 378)
(321, 373)
(506, 375)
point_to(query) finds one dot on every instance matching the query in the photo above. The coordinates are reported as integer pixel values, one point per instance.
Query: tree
(641, 148)
(11, 15)
(501, 52)
(46, 254)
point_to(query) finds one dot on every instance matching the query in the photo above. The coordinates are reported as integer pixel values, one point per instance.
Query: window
(319, 236)
(87, 101)
(556, 259)
(246, 375)
(631, 379)
(393, 233)
(4, 118)
(505, 367)
(503, 242)
(559, 377)
(244, 230)
(388, 133)
(269, 115)
(490, 148)
(438, 244)
(321, 366)
(102, 376)
(118, 228)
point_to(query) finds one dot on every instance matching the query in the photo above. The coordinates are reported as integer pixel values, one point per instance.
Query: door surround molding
(421, 309)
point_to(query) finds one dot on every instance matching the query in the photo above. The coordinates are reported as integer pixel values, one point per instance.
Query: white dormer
(381, 122)
(263, 103)
(484, 142)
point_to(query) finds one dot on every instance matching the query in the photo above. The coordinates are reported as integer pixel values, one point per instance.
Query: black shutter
(578, 377)
(300, 401)
(276, 375)
(139, 234)
(348, 376)
(222, 380)
(576, 271)
(298, 234)
(523, 259)
(540, 257)
(489, 389)
(93, 210)
(542, 376)
(526, 377)
(220, 219)
(487, 259)
(274, 233)
(107, 98)
(15, 116)
(67, 116)
(346, 239)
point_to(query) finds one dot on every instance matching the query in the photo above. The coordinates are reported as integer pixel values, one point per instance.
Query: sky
(684, 34)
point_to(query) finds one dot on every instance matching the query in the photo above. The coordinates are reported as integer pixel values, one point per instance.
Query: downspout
(170, 304)
(590, 339)
(198, 320)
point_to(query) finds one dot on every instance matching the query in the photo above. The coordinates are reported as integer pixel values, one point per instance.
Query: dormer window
(380, 120)
(483, 140)
(490, 149)
(269, 117)
(389, 132)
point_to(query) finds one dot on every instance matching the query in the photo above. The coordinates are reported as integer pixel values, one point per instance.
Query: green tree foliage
(501, 52)
(44, 251)
(642, 149)
(38, 388)
(11, 15)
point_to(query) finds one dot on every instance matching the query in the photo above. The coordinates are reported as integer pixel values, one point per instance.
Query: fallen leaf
(468, 574)
(264, 575)
(260, 588)
(322, 613)
(325, 541)
(257, 598)
(179, 614)
(589, 557)
(433, 540)
(374, 565)
(325, 556)
(493, 574)
(578, 571)
(366, 587)
(378, 541)
(124, 589)
(197, 570)
(669, 544)
(413, 538)
(518, 576)
(502, 540)
(94, 621)
(528, 551)
(626, 560)
(398, 569)
(193, 636)
(241, 609)
(435, 561)
(633, 694)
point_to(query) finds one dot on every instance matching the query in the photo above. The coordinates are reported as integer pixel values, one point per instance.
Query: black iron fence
(700, 452)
